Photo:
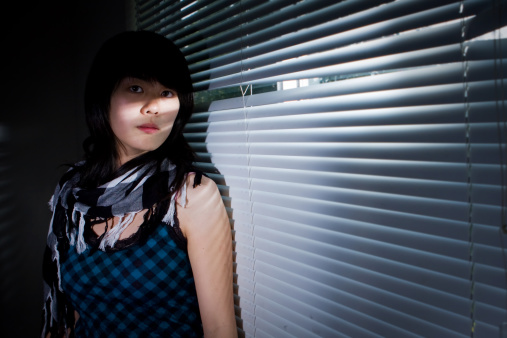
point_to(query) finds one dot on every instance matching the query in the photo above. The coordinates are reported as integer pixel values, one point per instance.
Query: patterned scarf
(139, 189)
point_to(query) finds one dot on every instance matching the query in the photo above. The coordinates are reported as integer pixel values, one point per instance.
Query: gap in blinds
(360, 150)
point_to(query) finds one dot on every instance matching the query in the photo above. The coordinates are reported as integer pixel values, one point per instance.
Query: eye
(136, 89)
(168, 93)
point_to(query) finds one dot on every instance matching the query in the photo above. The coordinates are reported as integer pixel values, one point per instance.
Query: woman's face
(141, 115)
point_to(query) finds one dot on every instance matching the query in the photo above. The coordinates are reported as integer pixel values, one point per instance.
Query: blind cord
(466, 101)
(245, 118)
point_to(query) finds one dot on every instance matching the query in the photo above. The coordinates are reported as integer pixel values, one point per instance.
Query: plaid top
(142, 290)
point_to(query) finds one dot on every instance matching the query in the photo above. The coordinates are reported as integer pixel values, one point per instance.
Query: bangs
(155, 68)
(142, 55)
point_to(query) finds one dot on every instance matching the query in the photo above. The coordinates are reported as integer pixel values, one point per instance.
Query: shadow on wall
(50, 48)
(8, 239)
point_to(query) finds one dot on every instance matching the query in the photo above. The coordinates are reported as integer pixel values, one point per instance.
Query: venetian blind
(360, 149)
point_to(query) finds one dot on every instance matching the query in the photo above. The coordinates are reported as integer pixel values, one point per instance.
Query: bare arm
(205, 224)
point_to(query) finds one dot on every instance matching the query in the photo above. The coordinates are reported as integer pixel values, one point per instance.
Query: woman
(139, 243)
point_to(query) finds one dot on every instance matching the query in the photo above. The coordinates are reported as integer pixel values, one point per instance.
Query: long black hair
(148, 56)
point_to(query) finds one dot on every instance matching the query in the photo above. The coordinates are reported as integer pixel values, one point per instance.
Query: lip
(148, 128)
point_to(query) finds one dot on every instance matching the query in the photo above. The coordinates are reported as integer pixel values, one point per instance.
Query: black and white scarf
(139, 189)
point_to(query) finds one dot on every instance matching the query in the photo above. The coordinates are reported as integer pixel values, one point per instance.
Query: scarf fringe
(168, 218)
(51, 203)
(80, 244)
(112, 235)
(182, 197)
(72, 236)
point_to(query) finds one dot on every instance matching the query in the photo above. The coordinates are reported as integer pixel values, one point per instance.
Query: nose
(150, 107)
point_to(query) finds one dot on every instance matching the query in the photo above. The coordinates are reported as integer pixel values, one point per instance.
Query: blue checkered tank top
(142, 290)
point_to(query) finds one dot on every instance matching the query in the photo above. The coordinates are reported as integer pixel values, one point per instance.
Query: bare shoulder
(204, 208)
(201, 193)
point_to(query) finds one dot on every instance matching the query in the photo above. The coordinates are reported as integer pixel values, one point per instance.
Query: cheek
(120, 115)
(116, 122)
(172, 112)
(174, 108)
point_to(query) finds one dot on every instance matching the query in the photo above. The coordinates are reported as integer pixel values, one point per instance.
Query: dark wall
(47, 48)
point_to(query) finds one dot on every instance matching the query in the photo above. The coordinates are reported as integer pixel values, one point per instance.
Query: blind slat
(387, 287)
(402, 320)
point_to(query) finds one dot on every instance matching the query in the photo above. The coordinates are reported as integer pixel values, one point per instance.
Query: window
(361, 154)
